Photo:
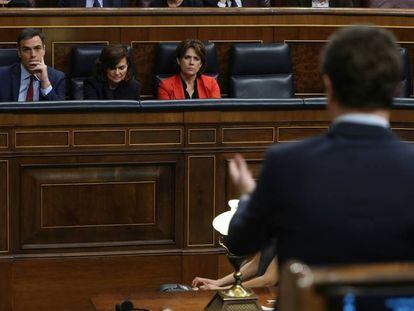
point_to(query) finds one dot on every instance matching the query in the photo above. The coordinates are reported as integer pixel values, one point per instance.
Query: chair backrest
(406, 88)
(362, 287)
(8, 57)
(166, 64)
(261, 71)
(82, 64)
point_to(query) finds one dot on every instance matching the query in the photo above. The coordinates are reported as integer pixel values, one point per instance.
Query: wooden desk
(183, 301)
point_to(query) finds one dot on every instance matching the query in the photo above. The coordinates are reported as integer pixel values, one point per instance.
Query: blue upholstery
(8, 57)
(261, 71)
(406, 87)
(82, 64)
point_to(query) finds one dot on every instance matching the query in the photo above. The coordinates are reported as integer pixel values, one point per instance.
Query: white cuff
(46, 90)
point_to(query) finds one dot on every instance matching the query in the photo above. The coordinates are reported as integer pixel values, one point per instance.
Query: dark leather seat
(166, 64)
(406, 88)
(82, 64)
(81, 67)
(8, 57)
(261, 71)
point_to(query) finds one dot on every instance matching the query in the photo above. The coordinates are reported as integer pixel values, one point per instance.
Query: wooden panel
(406, 134)
(40, 139)
(202, 136)
(74, 209)
(69, 284)
(288, 134)
(193, 266)
(5, 285)
(4, 140)
(247, 135)
(99, 138)
(4, 207)
(200, 200)
(97, 205)
(305, 59)
(155, 137)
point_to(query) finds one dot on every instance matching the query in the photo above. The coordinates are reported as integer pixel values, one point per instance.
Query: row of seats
(272, 77)
(256, 70)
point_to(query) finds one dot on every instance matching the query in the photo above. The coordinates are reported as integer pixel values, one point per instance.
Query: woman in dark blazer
(113, 78)
(189, 83)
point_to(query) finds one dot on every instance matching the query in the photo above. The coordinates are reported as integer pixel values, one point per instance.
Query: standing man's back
(345, 196)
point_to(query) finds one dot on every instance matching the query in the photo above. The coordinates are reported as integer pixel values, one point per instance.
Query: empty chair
(82, 64)
(8, 57)
(166, 63)
(406, 81)
(261, 71)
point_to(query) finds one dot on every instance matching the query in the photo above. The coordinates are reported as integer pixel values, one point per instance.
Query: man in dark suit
(346, 196)
(332, 3)
(93, 3)
(31, 79)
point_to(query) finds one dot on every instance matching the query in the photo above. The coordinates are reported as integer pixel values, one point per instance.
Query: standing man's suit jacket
(82, 3)
(10, 84)
(332, 3)
(344, 197)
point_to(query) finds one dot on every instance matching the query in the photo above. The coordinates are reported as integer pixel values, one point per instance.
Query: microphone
(127, 305)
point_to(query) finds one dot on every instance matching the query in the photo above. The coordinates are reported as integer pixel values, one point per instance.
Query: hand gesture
(241, 175)
(40, 71)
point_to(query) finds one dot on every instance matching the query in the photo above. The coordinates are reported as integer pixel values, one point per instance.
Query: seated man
(327, 3)
(93, 3)
(31, 79)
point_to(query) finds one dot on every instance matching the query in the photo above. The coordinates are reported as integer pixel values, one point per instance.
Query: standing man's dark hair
(364, 65)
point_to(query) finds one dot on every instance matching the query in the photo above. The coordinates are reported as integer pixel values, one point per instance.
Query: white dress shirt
(363, 118)
(320, 3)
(89, 3)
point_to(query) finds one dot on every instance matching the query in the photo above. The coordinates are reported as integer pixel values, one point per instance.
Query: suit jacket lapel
(15, 81)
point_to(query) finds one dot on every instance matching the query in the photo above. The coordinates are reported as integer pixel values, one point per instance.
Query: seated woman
(260, 271)
(113, 78)
(189, 83)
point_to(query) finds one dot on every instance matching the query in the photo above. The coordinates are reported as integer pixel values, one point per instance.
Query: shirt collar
(24, 74)
(363, 118)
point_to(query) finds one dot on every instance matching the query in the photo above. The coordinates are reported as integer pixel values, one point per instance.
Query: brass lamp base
(236, 298)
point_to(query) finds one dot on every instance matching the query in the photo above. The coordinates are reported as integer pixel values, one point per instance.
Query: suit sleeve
(215, 90)
(89, 90)
(251, 227)
(163, 91)
(58, 91)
